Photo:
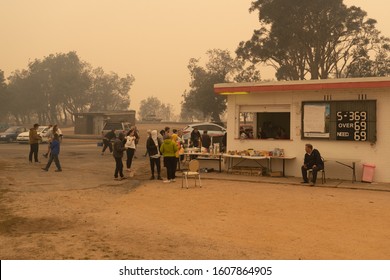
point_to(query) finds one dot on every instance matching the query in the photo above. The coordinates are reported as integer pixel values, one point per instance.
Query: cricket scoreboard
(353, 120)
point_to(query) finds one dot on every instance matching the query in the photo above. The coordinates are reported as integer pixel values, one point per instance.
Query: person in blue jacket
(55, 151)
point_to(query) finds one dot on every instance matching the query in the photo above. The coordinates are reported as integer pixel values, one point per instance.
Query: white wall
(378, 153)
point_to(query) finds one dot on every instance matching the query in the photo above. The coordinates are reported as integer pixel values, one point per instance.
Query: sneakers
(173, 180)
(152, 177)
(128, 169)
(312, 184)
(166, 181)
(58, 170)
(305, 182)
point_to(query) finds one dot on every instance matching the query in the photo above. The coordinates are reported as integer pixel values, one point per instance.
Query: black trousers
(315, 171)
(118, 167)
(34, 148)
(130, 155)
(170, 164)
(56, 161)
(107, 143)
(155, 162)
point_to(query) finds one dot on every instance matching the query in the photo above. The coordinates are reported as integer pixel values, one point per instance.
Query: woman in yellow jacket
(168, 149)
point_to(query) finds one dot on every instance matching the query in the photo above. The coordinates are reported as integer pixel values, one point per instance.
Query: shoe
(58, 170)
(152, 177)
(128, 169)
(167, 181)
(173, 180)
(44, 169)
(159, 178)
(312, 184)
(305, 182)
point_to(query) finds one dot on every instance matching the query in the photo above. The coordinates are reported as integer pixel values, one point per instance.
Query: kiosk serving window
(265, 122)
(350, 120)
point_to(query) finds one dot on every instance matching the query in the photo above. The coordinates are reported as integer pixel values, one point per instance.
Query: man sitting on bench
(312, 161)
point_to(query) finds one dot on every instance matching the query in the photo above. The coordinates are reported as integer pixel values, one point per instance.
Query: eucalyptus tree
(152, 106)
(311, 39)
(108, 91)
(221, 67)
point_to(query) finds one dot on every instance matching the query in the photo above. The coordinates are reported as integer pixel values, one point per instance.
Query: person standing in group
(50, 135)
(168, 150)
(54, 152)
(137, 137)
(149, 132)
(195, 137)
(175, 139)
(224, 143)
(312, 160)
(118, 150)
(161, 135)
(167, 130)
(153, 145)
(206, 140)
(107, 141)
(34, 139)
(130, 148)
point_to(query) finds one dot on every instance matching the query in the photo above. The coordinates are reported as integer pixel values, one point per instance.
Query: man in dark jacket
(195, 137)
(312, 161)
(206, 140)
(107, 141)
(118, 154)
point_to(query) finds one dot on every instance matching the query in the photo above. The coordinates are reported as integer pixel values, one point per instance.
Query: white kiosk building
(347, 120)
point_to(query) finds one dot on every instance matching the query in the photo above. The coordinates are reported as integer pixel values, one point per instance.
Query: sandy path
(82, 213)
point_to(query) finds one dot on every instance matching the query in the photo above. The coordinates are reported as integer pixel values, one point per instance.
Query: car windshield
(11, 130)
(112, 126)
(42, 129)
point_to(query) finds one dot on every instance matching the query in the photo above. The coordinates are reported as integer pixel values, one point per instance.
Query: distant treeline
(51, 89)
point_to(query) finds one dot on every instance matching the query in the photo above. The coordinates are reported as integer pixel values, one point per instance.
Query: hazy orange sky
(151, 39)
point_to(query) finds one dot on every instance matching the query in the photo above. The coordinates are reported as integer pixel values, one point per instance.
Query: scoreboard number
(351, 125)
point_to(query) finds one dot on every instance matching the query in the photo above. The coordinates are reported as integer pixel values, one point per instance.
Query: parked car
(10, 134)
(214, 130)
(151, 118)
(3, 127)
(118, 127)
(23, 138)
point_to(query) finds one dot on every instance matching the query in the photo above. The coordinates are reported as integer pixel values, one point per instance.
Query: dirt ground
(82, 213)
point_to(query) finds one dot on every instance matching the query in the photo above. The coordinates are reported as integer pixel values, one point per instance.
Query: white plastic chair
(193, 171)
